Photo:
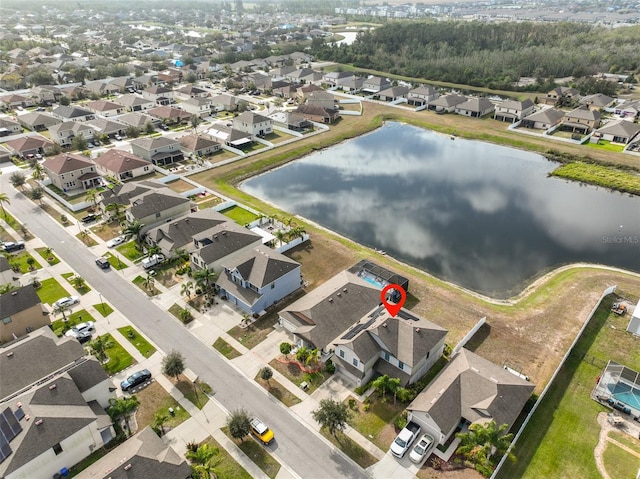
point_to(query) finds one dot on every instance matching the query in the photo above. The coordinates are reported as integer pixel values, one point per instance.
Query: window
(400, 364)
(341, 353)
(6, 320)
(273, 285)
(387, 356)
(355, 362)
(29, 329)
(158, 215)
(57, 448)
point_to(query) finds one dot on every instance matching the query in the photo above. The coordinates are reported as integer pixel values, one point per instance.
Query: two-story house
(421, 95)
(581, 120)
(191, 91)
(560, 95)
(64, 133)
(22, 312)
(160, 151)
(322, 99)
(197, 106)
(223, 103)
(132, 102)
(253, 123)
(170, 115)
(213, 246)
(199, 145)
(404, 347)
(156, 206)
(159, 94)
(258, 278)
(72, 113)
(122, 165)
(375, 84)
(70, 172)
(105, 108)
(513, 110)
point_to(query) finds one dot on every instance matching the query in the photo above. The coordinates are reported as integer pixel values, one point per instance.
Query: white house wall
(427, 424)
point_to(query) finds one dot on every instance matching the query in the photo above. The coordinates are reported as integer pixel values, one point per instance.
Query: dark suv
(103, 263)
(135, 380)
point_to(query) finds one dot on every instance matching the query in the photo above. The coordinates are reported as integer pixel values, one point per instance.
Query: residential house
(543, 119)
(146, 80)
(305, 90)
(102, 88)
(170, 115)
(352, 85)
(159, 94)
(5, 155)
(213, 246)
(629, 109)
(322, 315)
(317, 113)
(160, 151)
(64, 133)
(322, 99)
(156, 206)
(393, 93)
(597, 101)
(9, 276)
(138, 120)
(105, 126)
(258, 278)
(70, 171)
(446, 103)
(46, 94)
(375, 84)
(513, 110)
(475, 107)
(29, 145)
(13, 101)
(121, 83)
(143, 456)
(404, 347)
(337, 78)
(122, 165)
(72, 113)
(223, 103)
(291, 120)
(170, 76)
(622, 131)
(253, 123)
(229, 136)
(9, 127)
(105, 108)
(560, 95)
(198, 145)
(581, 120)
(133, 102)
(421, 95)
(36, 121)
(284, 89)
(22, 312)
(191, 91)
(467, 391)
(54, 399)
(281, 72)
(179, 234)
(75, 93)
(304, 75)
(199, 107)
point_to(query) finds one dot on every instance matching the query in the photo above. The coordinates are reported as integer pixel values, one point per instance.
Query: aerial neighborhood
(158, 320)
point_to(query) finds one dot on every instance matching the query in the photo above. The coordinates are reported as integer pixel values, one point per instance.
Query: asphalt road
(299, 448)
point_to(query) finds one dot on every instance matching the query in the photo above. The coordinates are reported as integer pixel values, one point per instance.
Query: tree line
(489, 55)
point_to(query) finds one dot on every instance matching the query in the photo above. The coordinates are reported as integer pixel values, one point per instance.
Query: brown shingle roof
(66, 162)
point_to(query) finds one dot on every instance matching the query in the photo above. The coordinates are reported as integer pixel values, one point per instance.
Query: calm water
(482, 216)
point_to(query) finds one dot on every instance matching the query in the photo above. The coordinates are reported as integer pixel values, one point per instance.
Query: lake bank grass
(600, 175)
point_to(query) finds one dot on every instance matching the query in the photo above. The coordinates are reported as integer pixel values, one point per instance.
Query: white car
(68, 301)
(420, 450)
(115, 241)
(81, 330)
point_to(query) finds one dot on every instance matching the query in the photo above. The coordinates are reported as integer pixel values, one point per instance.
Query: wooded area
(489, 55)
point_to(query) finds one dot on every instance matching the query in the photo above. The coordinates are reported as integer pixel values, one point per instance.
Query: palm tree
(381, 384)
(394, 385)
(134, 230)
(280, 236)
(115, 211)
(151, 250)
(205, 279)
(48, 252)
(123, 408)
(296, 232)
(78, 282)
(204, 461)
(148, 282)
(84, 235)
(187, 289)
(183, 255)
(484, 444)
(38, 172)
(159, 420)
(313, 356)
(98, 347)
(62, 310)
(4, 198)
(92, 197)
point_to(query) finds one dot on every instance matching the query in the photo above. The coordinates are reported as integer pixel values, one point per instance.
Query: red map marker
(393, 308)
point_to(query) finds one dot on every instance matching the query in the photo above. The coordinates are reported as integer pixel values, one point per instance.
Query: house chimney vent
(27, 417)
(9, 354)
(344, 290)
(14, 293)
(384, 325)
(38, 422)
(52, 387)
(19, 404)
(331, 300)
(339, 294)
(418, 330)
(127, 467)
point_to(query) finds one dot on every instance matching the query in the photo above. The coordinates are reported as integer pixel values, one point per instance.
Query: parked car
(103, 263)
(68, 301)
(421, 449)
(96, 143)
(164, 127)
(117, 137)
(10, 246)
(89, 145)
(261, 431)
(81, 329)
(84, 336)
(404, 440)
(89, 218)
(135, 380)
(115, 241)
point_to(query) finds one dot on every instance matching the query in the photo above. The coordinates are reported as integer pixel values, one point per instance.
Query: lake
(483, 216)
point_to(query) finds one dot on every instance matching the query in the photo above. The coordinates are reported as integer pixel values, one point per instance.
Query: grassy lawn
(256, 333)
(294, 374)
(351, 448)
(107, 231)
(623, 438)
(21, 259)
(619, 463)
(60, 327)
(139, 281)
(371, 424)
(86, 240)
(255, 146)
(130, 251)
(239, 215)
(115, 261)
(51, 291)
(278, 391)
(176, 309)
(48, 257)
(17, 226)
(257, 454)
(225, 349)
(179, 185)
(119, 358)
(104, 309)
(228, 467)
(155, 399)
(606, 176)
(606, 146)
(566, 419)
(221, 155)
(277, 137)
(140, 343)
(84, 289)
(196, 395)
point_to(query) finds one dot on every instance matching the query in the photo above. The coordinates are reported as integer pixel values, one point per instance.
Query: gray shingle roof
(180, 233)
(88, 374)
(71, 111)
(447, 101)
(261, 265)
(223, 240)
(154, 143)
(119, 161)
(621, 128)
(550, 115)
(155, 201)
(18, 300)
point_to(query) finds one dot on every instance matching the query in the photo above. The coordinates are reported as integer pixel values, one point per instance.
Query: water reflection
(483, 216)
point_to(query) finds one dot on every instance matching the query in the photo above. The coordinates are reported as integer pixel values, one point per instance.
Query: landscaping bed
(149, 289)
(376, 423)
(257, 454)
(291, 370)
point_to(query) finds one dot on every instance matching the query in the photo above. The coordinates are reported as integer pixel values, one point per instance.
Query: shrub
(64, 219)
(329, 366)
(353, 405)
(435, 463)
(366, 407)
(401, 421)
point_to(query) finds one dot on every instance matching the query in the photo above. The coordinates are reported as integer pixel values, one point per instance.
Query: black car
(135, 380)
(103, 263)
(12, 246)
(89, 218)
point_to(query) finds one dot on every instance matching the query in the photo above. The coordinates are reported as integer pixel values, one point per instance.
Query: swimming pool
(626, 394)
(377, 284)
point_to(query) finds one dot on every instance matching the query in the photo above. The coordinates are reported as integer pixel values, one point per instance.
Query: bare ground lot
(532, 330)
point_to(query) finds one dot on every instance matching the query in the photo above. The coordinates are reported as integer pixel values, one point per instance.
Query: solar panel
(5, 429)
(13, 422)
(9, 426)
(5, 449)
(19, 414)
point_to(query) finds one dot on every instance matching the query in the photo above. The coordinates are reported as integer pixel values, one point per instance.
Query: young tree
(79, 143)
(381, 383)
(92, 196)
(78, 282)
(36, 194)
(239, 424)
(159, 420)
(285, 348)
(148, 128)
(394, 385)
(38, 172)
(17, 179)
(266, 373)
(173, 364)
(97, 347)
(132, 131)
(122, 409)
(134, 230)
(302, 354)
(333, 415)
(186, 289)
(115, 210)
(205, 279)
(4, 199)
(484, 445)
(195, 121)
(60, 309)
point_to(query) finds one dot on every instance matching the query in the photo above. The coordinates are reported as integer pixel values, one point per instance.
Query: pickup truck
(11, 246)
(404, 440)
(152, 261)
